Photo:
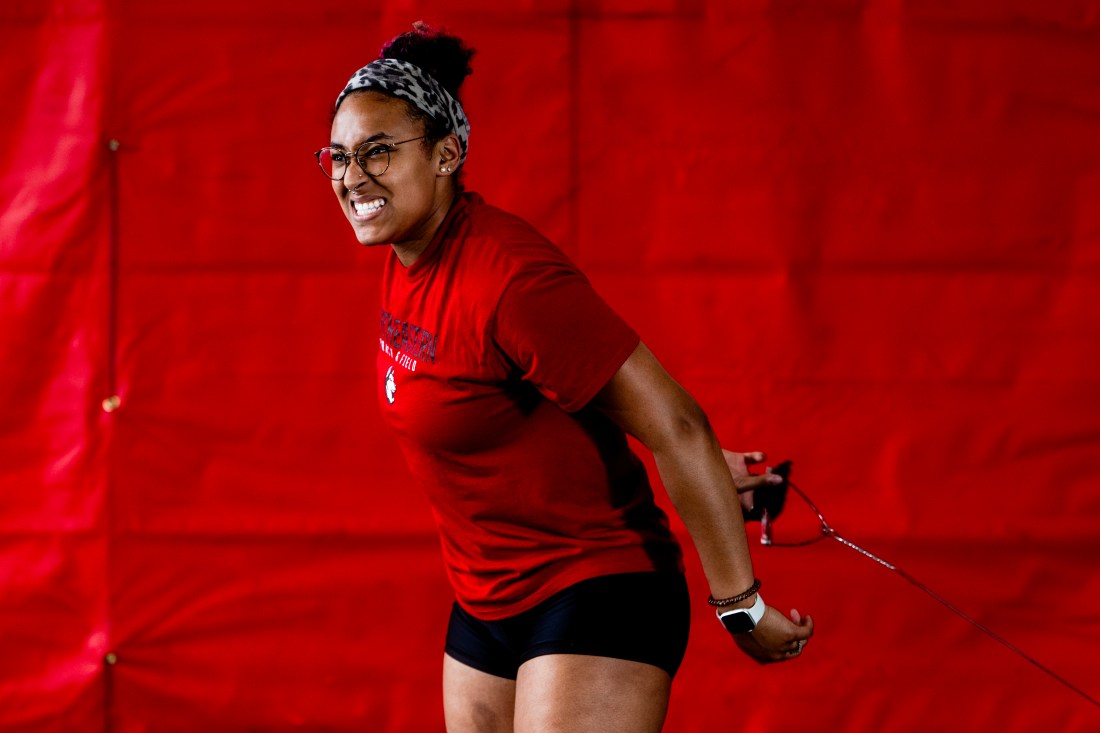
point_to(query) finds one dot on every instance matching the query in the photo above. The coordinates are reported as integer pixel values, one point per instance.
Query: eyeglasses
(373, 158)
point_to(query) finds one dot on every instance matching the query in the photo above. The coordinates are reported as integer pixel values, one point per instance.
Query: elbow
(685, 423)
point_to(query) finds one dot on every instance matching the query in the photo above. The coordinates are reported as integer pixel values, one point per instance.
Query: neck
(409, 251)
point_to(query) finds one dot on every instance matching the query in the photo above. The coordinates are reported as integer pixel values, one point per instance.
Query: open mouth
(367, 209)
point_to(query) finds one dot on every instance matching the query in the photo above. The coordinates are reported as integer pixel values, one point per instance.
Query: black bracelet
(737, 598)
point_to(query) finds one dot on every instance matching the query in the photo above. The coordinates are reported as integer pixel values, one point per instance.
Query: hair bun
(445, 57)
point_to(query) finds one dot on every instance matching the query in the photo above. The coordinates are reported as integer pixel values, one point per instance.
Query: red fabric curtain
(866, 235)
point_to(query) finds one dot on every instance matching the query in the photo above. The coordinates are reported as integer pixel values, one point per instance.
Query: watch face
(738, 622)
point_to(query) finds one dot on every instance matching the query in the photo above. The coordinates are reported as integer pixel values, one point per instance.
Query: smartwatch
(743, 620)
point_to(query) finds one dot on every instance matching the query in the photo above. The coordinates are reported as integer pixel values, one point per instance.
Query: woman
(511, 386)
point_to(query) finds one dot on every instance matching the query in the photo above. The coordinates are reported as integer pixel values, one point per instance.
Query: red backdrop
(866, 235)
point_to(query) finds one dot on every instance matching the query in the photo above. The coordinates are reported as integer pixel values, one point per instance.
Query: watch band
(743, 620)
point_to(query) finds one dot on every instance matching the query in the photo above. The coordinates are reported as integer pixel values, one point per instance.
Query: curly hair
(444, 57)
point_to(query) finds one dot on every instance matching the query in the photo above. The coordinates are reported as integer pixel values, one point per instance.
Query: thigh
(637, 617)
(475, 701)
(576, 662)
(581, 694)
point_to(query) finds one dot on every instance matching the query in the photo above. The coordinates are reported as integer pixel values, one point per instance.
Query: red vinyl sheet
(864, 234)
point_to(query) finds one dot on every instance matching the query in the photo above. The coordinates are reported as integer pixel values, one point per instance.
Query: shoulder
(507, 243)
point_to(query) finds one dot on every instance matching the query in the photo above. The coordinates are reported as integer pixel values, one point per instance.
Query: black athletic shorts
(641, 617)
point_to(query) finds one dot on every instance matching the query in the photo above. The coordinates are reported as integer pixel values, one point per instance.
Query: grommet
(110, 658)
(113, 145)
(112, 403)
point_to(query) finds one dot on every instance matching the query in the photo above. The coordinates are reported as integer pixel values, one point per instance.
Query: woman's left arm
(646, 402)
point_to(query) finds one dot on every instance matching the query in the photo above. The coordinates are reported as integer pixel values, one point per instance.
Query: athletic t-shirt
(492, 345)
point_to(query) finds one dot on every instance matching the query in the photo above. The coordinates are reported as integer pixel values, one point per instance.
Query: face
(404, 206)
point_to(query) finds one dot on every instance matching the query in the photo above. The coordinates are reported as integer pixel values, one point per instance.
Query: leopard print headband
(409, 82)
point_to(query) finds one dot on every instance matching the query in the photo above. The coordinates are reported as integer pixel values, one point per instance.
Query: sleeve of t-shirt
(564, 337)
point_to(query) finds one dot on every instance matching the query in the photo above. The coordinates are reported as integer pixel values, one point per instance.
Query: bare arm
(648, 403)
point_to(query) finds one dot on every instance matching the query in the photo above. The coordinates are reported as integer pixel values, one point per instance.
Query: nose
(353, 175)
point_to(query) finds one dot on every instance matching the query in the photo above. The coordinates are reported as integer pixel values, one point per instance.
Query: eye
(337, 156)
(374, 152)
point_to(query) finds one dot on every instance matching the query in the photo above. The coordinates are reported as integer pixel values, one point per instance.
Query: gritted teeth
(362, 208)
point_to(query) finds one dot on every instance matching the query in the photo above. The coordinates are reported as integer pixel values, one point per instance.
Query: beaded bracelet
(737, 598)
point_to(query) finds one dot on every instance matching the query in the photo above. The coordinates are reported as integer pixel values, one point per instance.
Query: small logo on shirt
(391, 385)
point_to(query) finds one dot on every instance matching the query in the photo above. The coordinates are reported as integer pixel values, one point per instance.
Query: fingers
(788, 651)
(748, 482)
(767, 655)
(755, 481)
(749, 459)
(798, 637)
(800, 620)
(805, 630)
(805, 626)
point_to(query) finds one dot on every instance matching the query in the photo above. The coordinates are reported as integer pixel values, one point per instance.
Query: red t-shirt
(492, 344)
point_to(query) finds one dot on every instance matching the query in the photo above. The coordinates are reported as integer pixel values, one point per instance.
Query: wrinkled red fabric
(864, 235)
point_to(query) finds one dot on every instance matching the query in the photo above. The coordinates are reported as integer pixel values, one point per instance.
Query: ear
(448, 153)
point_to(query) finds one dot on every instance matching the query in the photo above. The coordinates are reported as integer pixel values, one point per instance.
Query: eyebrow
(372, 139)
